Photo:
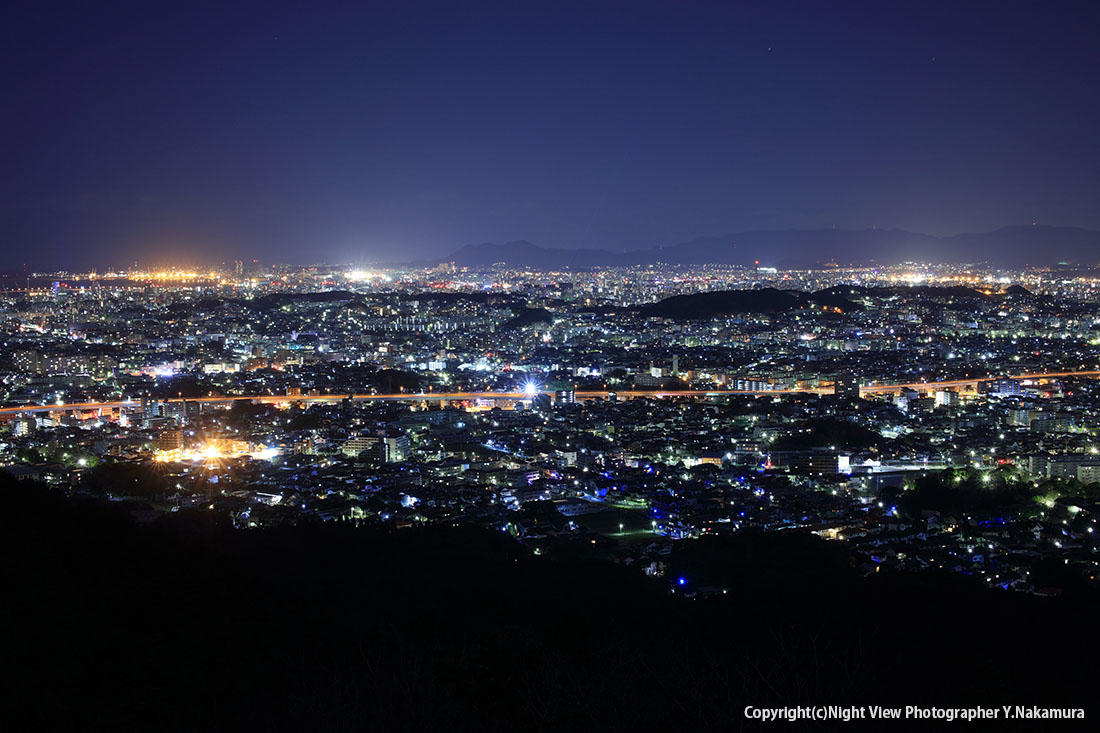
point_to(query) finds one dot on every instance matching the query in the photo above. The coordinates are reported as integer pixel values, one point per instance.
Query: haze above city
(405, 132)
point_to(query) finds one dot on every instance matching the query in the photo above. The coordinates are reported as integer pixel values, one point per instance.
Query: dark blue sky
(357, 131)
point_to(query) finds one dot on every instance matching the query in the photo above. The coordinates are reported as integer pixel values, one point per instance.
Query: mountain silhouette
(726, 302)
(1012, 246)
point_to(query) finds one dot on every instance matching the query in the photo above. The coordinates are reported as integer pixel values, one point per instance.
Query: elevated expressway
(970, 383)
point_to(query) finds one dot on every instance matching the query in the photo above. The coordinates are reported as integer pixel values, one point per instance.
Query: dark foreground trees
(187, 625)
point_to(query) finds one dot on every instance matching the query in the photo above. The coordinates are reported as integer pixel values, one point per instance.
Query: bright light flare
(363, 275)
(215, 451)
(265, 453)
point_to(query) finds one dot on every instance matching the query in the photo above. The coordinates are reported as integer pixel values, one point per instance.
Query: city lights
(670, 366)
(214, 451)
(365, 275)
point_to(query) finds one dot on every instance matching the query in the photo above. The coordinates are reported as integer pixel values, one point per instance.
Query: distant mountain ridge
(1012, 246)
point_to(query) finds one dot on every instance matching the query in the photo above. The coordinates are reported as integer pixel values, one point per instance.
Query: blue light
(682, 581)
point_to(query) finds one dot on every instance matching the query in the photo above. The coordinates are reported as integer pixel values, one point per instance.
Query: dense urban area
(924, 418)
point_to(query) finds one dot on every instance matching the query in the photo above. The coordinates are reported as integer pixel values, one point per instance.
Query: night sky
(380, 131)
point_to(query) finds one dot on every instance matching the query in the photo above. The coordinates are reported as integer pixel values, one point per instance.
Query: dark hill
(923, 291)
(185, 624)
(728, 302)
(528, 317)
(275, 300)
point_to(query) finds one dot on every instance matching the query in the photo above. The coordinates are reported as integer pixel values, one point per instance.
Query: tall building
(1003, 387)
(821, 463)
(846, 387)
(395, 447)
(23, 426)
(946, 398)
(170, 440)
(29, 361)
(359, 443)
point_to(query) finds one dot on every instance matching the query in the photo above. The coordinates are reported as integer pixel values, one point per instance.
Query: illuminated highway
(972, 382)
